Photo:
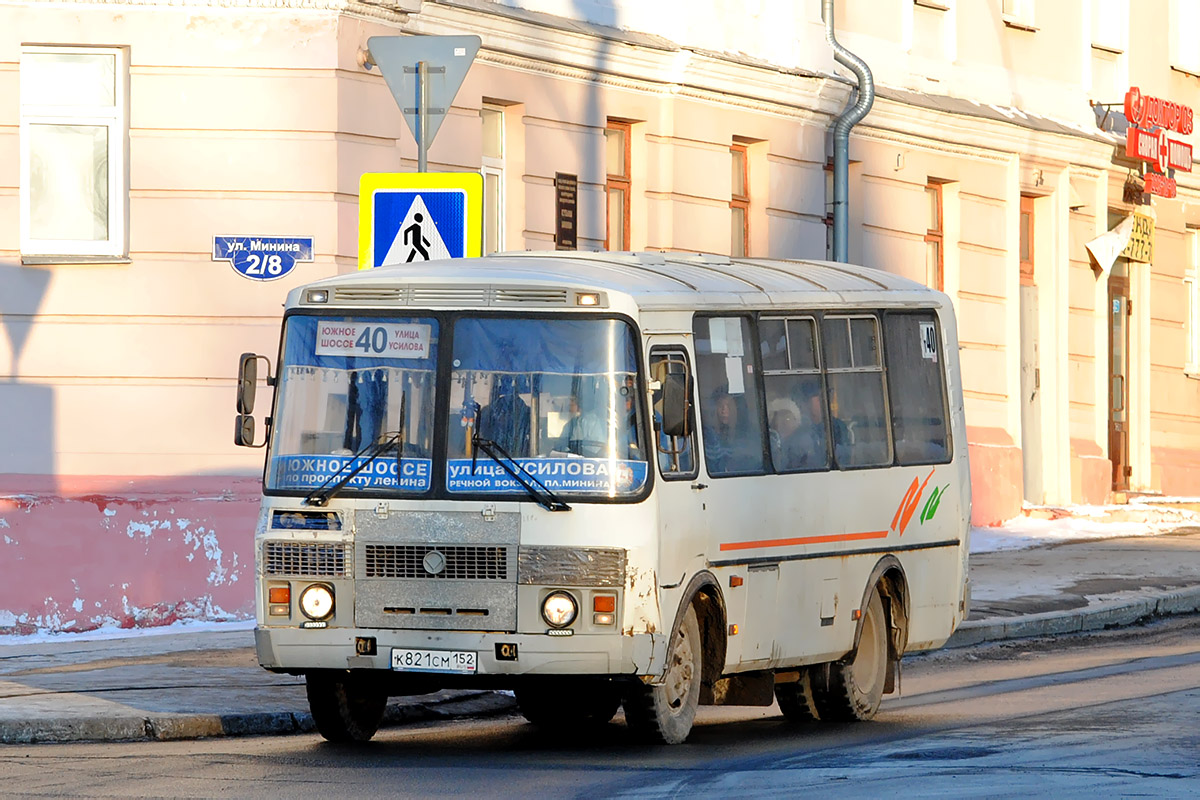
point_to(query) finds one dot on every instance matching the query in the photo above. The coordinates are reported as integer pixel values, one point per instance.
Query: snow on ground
(105, 633)
(1084, 522)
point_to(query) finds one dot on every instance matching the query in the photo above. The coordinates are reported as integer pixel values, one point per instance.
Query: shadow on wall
(27, 422)
(82, 552)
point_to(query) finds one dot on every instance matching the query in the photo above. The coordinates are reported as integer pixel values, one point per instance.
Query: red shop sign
(1148, 112)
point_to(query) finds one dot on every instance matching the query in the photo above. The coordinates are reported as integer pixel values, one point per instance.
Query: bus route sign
(262, 258)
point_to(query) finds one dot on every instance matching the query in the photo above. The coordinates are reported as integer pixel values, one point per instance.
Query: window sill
(1192, 70)
(1192, 371)
(45, 261)
(1020, 24)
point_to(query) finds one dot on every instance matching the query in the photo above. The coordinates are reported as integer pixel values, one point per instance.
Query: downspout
(849, 117)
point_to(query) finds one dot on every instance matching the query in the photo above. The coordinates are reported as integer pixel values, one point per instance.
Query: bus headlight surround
(559, 609)
(316, 601)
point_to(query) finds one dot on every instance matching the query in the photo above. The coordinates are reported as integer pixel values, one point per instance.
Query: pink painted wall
(996, 483)
(80, 553)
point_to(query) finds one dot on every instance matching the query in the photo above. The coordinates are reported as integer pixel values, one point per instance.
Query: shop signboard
(1150, 121)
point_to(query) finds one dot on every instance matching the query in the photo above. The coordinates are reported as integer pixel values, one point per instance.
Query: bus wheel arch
(852, 687)
(665, 711)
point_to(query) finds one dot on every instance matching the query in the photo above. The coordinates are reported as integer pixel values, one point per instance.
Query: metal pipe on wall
(849, 117)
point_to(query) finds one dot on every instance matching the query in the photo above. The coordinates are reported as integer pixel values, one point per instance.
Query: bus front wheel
(851, 689)
(345, 709)
(665, 713)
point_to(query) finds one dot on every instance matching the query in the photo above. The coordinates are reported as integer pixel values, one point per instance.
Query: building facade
(992, 165)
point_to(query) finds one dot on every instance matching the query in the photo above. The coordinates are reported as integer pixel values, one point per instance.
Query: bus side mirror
(675, 394)
(243, 431)
(248, 381)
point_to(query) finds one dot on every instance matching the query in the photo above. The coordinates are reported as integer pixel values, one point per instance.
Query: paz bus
(601, 480)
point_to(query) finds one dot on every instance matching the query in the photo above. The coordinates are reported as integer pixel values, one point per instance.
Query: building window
(934, 237)
(1191, 283)
(1018, 14)
(493, 178)
(74, 126)
(1110, 22)
(1026, 242)
(739, 201)
(616, 142)
(1184, 22)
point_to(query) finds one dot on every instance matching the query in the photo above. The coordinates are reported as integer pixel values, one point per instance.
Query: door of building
(1032, 456)
(1118, 383)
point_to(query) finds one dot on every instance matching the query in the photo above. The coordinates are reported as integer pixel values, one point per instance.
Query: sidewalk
(183, 685)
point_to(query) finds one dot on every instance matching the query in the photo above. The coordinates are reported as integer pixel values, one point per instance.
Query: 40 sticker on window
(375, 339)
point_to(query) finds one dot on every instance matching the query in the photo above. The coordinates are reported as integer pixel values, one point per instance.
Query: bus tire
(665, 713)
(345, 709)
(796, 699)
(558, 706)
(851, 689)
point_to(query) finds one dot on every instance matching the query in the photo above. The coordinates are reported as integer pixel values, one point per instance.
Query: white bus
(646, 480)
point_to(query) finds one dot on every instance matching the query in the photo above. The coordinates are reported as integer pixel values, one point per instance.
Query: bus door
(683, 525)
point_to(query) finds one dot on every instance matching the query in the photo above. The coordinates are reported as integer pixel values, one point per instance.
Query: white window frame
(1018, 14)
(1191, 285)
(1184, 54)
(116, 119)
(494, 166)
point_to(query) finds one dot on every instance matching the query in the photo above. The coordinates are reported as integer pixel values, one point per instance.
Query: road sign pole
(423, 116)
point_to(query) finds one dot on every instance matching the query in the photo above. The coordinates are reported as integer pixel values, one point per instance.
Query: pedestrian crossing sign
(406, 217)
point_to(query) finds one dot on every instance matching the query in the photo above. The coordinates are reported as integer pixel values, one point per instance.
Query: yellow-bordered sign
(406, 217)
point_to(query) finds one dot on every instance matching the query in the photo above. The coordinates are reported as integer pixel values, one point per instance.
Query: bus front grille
(307, 559)
(444, 562)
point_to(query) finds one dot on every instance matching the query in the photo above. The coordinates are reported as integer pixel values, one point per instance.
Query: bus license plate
(456, 661)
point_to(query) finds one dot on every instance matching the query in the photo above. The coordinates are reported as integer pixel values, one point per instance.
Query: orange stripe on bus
(832, 537)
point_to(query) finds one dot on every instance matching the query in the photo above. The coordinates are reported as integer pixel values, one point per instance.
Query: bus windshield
(558, 396)
(343, 384)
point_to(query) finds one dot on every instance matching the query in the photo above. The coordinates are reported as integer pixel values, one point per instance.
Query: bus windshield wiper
(322, 495)
(536, 490)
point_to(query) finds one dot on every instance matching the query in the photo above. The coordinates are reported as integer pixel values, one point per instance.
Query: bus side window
(729, 396)
(676, 454)
(796, 418)
(858, 412)
(917, 387)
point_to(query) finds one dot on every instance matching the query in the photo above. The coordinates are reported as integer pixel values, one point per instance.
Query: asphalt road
(1111, 714)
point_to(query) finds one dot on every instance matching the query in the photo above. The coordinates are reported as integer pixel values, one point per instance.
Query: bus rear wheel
(345, 708)
(796, 699)
(665, 713)
(851, 689)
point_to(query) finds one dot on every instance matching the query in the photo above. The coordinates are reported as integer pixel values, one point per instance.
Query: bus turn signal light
(279, 594)
(604, 603)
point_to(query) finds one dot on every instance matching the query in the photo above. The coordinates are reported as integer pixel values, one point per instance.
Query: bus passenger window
(916, 388)
(729, 411)
(858, 415)
(796, 418)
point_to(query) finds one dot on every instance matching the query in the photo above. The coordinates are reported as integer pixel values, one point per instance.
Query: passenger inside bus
(505, 419)
(728, 447)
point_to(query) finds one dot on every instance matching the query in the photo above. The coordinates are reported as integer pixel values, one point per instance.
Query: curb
(1110, 614)
(61, 730)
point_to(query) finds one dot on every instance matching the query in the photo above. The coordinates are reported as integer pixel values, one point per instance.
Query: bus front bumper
(498, 654)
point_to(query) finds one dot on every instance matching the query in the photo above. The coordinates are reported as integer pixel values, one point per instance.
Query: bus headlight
(559, 609)
(317, 601)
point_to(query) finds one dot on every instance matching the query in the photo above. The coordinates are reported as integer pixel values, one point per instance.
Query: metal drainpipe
(849, 117)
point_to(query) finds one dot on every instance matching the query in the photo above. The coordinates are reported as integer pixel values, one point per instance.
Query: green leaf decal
(931, 505)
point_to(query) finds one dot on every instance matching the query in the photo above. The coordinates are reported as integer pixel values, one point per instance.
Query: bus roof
(653, 280)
